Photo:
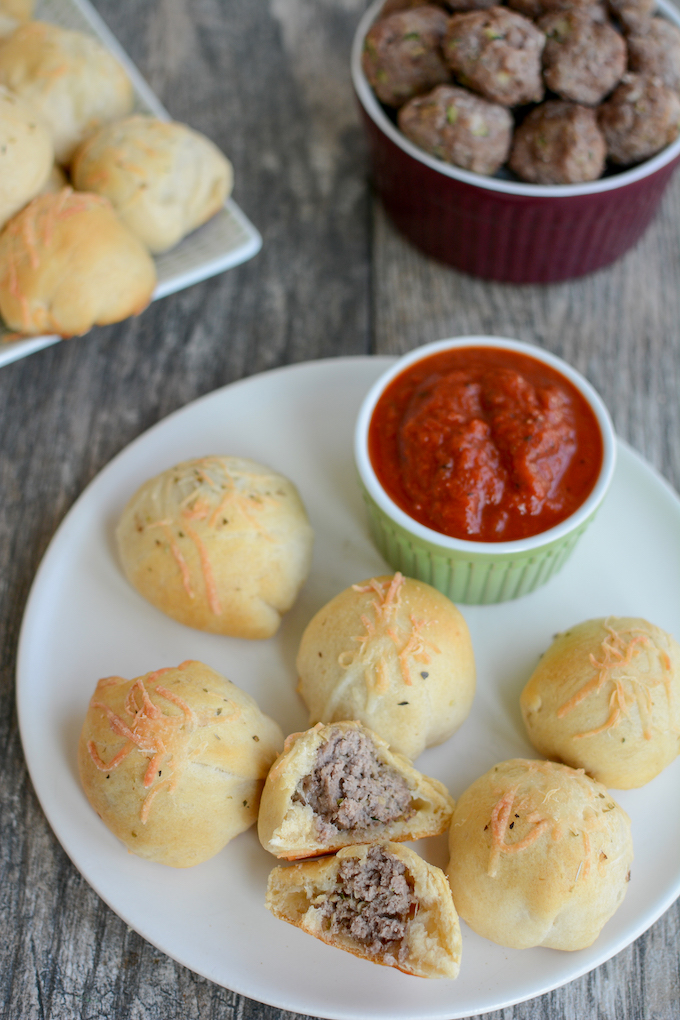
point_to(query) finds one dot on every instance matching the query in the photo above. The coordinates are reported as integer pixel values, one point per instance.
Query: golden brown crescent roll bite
(379, 901)
(174, 761)
(340, 784)
(540, 855)
(67, 263)
(219, 543)
(605, 697)
(26, 153)
(394, 654)
(163, 179)
(69, 77)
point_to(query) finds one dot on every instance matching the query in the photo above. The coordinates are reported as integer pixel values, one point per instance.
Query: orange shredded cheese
(618, 650)
(177, 555)
(30, 233)
(206, 567)
(409, 643)
(163, 738)
(500, 820)
(213, 491)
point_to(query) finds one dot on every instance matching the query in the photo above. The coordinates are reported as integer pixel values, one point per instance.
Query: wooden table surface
(269, 82)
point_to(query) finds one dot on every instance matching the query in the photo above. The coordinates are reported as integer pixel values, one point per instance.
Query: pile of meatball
(556, 90)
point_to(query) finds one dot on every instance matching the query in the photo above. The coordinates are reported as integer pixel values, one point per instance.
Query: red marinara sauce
(485, 444)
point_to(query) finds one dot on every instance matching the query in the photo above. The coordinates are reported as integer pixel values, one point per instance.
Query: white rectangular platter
(227, 240)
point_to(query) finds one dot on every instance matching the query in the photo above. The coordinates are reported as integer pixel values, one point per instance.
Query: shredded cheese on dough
(163, 739)
(409, 643)
(515, 806)
(214, 492)
(618, 649)
(500, 821)
(29, 235)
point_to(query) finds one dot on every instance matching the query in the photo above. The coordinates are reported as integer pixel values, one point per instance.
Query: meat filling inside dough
(350, 788)
(372, 903)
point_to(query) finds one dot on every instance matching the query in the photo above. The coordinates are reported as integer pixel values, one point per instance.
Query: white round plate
(83, 621)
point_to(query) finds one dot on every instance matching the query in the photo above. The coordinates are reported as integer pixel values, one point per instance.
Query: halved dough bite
(379, 901)
(605, 697)
(540, 855)
(338, 785)
(393, 653)
(222, 544)
(174, 761)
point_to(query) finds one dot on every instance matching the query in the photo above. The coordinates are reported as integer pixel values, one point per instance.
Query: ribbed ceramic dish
(476, 573)
(227, 240)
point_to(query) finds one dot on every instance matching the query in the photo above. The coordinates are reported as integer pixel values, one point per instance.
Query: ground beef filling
(372, 903)
(350, 789)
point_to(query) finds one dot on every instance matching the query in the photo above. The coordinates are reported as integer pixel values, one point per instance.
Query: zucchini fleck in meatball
(459, 127)
(641, 116)
(582, 60)
(657, 52)
(402, 54)
(558, 143)
(496, 53)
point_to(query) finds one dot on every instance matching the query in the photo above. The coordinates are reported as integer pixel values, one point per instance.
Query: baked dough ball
(12, 14)
(605, 697)
(337, 785)
(26, 154)
(540, 855)
(380, 901)
(394, 654)
(174, 761)
(219, 543)
(163, 179)
(69, 77)
(67, 263)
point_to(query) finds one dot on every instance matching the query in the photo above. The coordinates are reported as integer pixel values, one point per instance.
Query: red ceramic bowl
(500, 229)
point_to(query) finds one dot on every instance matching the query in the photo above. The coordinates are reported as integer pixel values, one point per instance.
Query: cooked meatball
(497, 53)
(635, 15)
(558, 143)
(536, 8)
(402, 54)
(582, 60)
(640, 118)
(459, 127)
(657, 52)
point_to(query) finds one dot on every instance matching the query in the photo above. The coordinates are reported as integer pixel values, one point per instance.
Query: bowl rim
(491, 549)
(375, 111)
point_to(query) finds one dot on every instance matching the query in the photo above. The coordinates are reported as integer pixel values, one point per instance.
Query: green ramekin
(476, 573)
